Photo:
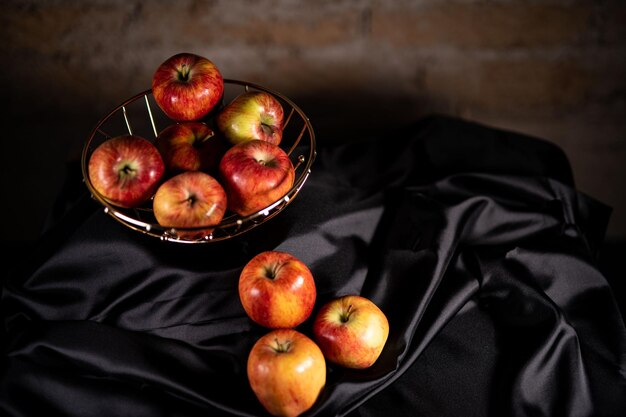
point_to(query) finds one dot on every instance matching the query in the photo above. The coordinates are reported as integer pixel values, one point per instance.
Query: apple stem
(183, 74)
(267, 129)
(269, 162)
(125, 174)
(281, 347)
(271, 271)
(127, 169)
(199, 140)
(345, 317)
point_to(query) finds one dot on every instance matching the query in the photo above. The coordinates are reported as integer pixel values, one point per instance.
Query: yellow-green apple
(126, 170)
(191, 199)
(255, 174)
(187, 86)
(277, 290)
(286, 371)
(351, 331)
(252, 115)
(190, 146)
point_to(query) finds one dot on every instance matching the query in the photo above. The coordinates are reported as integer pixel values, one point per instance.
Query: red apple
(351, 331)
(190, 146)
(126, 170)
(190, 200)
(252, 115)
(187, 86)
(255, 174)
(277, 290)
(286, 371)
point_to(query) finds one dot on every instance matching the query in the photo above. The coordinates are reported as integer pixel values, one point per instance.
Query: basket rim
(239, 224)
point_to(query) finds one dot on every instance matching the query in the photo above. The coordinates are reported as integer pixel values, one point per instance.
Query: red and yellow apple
(187, 86)
(190, 146)
(192, 199)
(351, 331)
(252, 115)
(255, 174)
(126, 170)
(277, 290)
(286, 371)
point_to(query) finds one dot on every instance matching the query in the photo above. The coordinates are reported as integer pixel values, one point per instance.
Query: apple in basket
(252, 115)
(191, 199)
(255, 174)
(126, 170)
(187, 86)
(277, 290)
(286, 371)
(190, 146)
(351, 331)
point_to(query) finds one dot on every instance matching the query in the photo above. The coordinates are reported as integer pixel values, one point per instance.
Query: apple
(190, 146)
(255, 174)
(286, 371)
(252, 115)
(277, 290)
(187, 86)
(351, 331)
(191, 199)
(126, 170)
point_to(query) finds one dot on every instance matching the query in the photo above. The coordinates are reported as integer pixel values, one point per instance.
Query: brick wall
(554, 69)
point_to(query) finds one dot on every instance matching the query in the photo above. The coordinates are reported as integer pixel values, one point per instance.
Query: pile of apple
(214, 159)
(210, 160)
(287, 369)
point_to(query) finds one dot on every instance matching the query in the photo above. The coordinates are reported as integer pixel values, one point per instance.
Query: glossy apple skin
(126, 170)
(190, 146)
(255, 174)
(190, 199)
(286, 371)
(252, 115)
(351, 331)
(277, 290)
(187, 86)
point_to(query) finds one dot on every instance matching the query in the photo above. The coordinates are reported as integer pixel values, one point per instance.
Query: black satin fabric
(472, 240)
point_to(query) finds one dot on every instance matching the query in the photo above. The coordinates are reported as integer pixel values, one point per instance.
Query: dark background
(553, 69)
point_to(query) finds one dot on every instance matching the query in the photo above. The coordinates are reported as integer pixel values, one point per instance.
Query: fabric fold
(472, 240)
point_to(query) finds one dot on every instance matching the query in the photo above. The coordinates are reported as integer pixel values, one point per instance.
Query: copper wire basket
(140, 115)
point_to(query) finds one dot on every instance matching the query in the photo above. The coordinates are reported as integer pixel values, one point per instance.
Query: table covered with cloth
(474, 242)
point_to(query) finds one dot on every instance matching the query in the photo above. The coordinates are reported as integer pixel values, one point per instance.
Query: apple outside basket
(140, 115)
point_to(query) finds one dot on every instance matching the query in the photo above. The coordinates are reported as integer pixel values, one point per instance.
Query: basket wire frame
(298, 142)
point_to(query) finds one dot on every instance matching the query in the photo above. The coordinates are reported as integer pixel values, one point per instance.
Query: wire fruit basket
(141, 116)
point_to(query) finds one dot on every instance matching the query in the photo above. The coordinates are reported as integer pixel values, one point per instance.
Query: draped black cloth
(472, 240)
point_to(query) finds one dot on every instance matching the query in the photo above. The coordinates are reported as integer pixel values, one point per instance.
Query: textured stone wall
(555, 69)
